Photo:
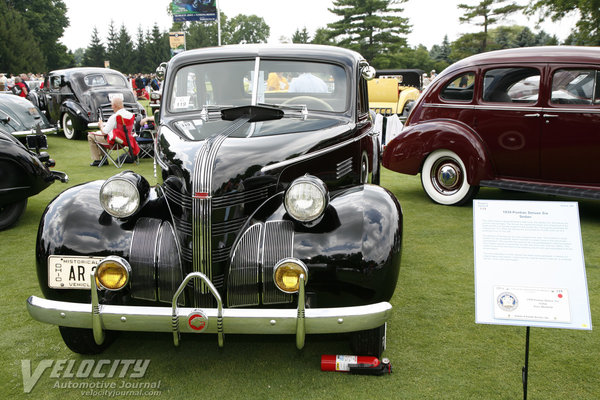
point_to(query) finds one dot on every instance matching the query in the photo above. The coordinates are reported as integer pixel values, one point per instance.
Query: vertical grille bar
(278, 244)
(242, 283)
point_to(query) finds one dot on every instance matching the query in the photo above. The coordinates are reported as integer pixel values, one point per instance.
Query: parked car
(520, 119)
(20, 117)
(78, 97)
(23, 173)
(394, 91)
(264, 220)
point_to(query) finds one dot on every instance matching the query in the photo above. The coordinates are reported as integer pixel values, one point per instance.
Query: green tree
(123, 57)
(95, 53)
(18, 47)
(141, 54)
(371, 27)
(158, 47)
(487, 13)
(47, 20)
(322, 36)
(300, 36)
(587, 30)
(245, 29)
(441, 52)
(526, 38)
(78, 55)
(203, 34)
(111, 41)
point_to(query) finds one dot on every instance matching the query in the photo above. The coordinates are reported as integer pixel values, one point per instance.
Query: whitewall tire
(444, 179)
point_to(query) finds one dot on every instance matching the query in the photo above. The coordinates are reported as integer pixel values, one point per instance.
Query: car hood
(248, 150)
(23, 114)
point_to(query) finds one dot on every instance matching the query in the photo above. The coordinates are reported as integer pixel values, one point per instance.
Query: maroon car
(523, 119)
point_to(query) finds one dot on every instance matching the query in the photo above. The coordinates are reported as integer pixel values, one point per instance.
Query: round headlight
(286, 275)
(112, 273)
(306, 199)
(119, 197)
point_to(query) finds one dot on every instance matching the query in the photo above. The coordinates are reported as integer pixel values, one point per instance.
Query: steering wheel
(305, 99)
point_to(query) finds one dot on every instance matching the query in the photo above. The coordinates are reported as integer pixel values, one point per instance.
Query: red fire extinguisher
(359, 365)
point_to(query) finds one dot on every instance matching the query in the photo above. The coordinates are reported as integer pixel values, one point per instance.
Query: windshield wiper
(291, 110)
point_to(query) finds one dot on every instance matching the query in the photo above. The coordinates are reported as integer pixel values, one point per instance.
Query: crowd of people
(20, 84)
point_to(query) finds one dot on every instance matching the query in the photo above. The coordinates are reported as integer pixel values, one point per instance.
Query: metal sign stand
(525, 371)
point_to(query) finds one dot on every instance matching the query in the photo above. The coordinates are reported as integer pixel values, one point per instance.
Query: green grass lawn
(436, 349)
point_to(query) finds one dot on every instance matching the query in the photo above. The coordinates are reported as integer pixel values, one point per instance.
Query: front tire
(10, 213)
(81, 340)
(444, 179)
(68, 127)
(371, 342)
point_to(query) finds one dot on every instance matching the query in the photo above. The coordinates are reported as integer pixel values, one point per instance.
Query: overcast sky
(430, 19)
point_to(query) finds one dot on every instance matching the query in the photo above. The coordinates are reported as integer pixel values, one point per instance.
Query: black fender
(353, 253)
(75, 224)
(80, 117)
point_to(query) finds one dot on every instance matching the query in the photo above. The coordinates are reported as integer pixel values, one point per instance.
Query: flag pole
(218, 24)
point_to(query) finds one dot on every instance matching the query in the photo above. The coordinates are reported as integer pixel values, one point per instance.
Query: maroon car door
(508, 119)
(571, 126)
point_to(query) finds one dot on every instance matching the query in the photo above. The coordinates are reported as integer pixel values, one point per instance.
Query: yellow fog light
(112, 273)
(286, 275)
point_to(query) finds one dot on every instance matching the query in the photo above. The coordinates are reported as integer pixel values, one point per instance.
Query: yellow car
(395, 91)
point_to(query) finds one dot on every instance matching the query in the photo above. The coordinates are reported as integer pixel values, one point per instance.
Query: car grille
(105, 110)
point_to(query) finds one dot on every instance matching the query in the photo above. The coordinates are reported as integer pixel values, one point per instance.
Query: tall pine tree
(95, 54)
(371, 27)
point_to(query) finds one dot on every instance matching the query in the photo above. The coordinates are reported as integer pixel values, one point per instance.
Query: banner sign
(194, 10)
(176, 42)
(529, 265)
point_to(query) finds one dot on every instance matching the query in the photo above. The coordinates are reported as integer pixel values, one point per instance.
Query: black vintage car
(23, 173)
(78, 97)
(20, 117)
(265, 220)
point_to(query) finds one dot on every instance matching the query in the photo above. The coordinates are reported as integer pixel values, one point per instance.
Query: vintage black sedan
(23, 173)
(78, 97)
(265, 220)
(20, 117)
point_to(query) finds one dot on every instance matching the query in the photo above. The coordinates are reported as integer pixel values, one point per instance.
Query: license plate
(111, 96)
(71, 272)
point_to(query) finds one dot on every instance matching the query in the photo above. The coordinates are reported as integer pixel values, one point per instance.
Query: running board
(593, 194)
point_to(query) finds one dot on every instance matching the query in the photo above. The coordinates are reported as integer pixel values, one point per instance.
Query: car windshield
(95, 80)
(318, 86)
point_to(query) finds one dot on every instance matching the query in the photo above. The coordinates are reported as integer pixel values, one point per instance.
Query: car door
(54, 97)
(571, 138)
(508, 119)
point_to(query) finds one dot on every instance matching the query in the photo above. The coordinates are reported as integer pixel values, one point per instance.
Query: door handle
(532, 115)
(550, 116)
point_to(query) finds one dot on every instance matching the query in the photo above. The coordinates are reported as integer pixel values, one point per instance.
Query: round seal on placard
(507, 301)
(197, 320)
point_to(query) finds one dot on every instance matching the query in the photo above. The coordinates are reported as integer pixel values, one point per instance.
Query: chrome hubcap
(446, 176)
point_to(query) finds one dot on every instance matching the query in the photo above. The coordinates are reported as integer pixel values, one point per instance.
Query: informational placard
(529, 265)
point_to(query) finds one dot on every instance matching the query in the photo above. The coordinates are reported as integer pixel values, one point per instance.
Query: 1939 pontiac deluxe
(265, 219)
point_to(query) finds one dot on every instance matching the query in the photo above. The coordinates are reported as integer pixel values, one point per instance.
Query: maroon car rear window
(459, 88)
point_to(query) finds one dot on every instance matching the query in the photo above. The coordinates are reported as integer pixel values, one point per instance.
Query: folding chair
(145, 140)
(122, 146)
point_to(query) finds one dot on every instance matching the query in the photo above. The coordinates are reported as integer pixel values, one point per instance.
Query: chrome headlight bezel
(121, 263)
(310, 190)
(123, 194)
(293, 265)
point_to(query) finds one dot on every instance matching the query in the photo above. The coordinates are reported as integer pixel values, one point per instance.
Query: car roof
(305, 51)
(83, 71)
(540, 54)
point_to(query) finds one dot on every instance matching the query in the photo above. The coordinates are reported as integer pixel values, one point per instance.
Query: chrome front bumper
(34, 132)
(299, 321)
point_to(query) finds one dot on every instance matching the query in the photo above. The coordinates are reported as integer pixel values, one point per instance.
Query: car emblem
(198, 320)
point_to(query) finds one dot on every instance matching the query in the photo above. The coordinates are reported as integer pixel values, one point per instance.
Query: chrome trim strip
(256, 81)
(313, 154)
(343, 168)
(235, 320)
(93, 125)
(202, 204)
(524, 108)
(33, 132)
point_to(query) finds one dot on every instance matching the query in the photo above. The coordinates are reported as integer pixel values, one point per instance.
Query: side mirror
(368, 72)
(161, 71)
(157, 118)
